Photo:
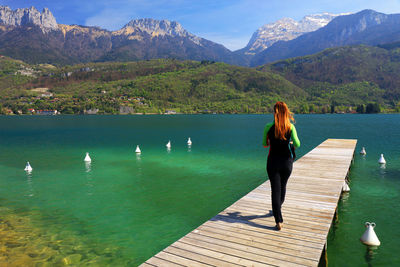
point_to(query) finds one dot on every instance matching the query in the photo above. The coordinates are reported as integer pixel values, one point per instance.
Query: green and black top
(280, 147)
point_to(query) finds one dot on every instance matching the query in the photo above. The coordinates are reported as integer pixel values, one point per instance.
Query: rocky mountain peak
(311, 23)
(162, 27)
(284, 30)
(360, 22)
(155, 28)
(28, 17)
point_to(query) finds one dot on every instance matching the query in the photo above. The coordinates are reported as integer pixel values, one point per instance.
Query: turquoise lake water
(123, 208)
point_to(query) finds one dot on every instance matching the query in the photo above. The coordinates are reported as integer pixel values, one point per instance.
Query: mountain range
(36, 37)
(284, 30)
(366, 27)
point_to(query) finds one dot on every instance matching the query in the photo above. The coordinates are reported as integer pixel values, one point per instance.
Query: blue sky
(228, 22)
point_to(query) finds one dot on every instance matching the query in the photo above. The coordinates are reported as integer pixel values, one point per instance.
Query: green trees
(184, 86)
(373, 108)
(360, 108)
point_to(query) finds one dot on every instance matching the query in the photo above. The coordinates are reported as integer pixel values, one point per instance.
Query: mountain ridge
(365, 27)
(68, 44)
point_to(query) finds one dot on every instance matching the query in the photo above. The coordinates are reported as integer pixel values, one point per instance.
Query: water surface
(123, 208)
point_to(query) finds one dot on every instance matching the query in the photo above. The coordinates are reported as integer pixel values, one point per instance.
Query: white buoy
(87, 158)
(28, 167)
(363, 152)
(138, 150)
(346, 187)
(382, 160)
(189, 142)
(168, 145)
(369, 237)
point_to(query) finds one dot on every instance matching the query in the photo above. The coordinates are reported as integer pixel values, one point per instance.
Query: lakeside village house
(43, 112)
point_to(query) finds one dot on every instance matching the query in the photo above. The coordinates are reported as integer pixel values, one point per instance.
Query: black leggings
(279, 170)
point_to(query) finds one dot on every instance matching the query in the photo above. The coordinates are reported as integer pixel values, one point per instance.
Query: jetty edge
(244, 233)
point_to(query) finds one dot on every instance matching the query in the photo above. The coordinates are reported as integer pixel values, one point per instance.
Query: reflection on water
(89, 178)
(139, 166)
(88, 166)
(382, 170)
(29, 182)
(345, 197)
(369, 255)
(189, 148)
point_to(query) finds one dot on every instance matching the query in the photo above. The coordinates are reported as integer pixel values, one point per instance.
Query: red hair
(282, 116)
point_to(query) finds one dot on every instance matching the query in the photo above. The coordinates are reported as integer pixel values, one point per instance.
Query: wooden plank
(251, 247)
(161, 262)
(251, 214)
(245, 256)
(319, 234)
(244, 233)
(180, 259)
(285, 234)
(225, 255)
(192, 254)
(249, 231)
(234, 237)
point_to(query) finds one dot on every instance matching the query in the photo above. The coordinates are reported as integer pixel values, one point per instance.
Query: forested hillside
(152, 86)
(345, 79)
(351, 76)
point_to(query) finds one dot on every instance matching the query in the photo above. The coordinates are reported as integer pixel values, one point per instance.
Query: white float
(189, 142)
(369, 237)
(363, 152)
(382, 160)
(168, 145)
(87, 157)
(346, 187)
(28, 167)
(138, 150)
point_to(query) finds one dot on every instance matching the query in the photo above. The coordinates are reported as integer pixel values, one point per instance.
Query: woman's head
(282, 116)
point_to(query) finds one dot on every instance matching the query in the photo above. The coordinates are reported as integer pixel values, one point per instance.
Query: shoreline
(152, 114)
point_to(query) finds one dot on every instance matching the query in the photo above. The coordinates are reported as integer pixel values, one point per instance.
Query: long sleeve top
(293, 135)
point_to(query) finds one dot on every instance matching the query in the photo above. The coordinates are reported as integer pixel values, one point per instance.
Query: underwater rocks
(22, 243)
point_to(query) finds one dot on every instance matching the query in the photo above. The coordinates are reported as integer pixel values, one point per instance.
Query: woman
(278, 136)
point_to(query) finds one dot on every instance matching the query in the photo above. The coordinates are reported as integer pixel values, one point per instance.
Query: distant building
(170, 112)
(47, 112)
(47, 94)
(92, 111)
(126, 110)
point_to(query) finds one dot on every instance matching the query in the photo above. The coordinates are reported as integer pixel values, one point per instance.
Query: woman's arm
(265, 136)
(296, 141)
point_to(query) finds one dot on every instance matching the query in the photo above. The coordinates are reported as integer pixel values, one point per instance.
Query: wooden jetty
(244, 234)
